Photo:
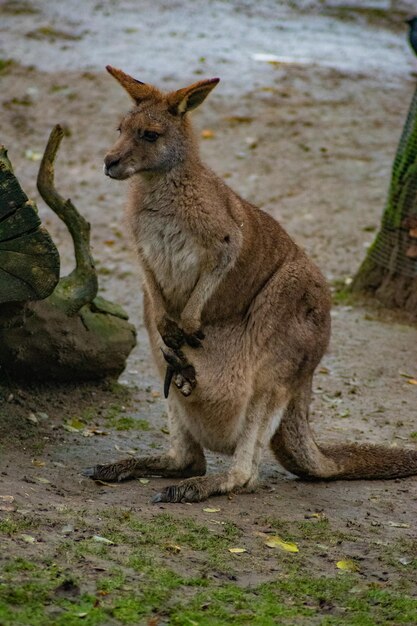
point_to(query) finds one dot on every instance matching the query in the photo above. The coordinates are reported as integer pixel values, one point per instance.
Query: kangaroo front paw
(171, 334)
(175, 337)
(114, 472)
(180, 370)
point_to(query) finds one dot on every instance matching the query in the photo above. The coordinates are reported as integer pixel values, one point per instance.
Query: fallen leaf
(320, 516)
(405, 375)
(43, 481)
(347, 566)
(81, 615)
(32, 418)
(172, 547)
(28, 538)
(119, 449)
(211, 510)
(398, 525)
(405, 560)
(144, 481)
(239, 119)
(207, 134)
(237, 550)
(90, 432)
(412, 381)
(277, 542)
(38, 463)
(413, 233)
(70, 428)
(324, 370)
(103, 540)
(6, 498)
(102, 482)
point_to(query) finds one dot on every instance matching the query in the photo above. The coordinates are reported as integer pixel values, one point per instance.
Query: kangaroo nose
(109, 162)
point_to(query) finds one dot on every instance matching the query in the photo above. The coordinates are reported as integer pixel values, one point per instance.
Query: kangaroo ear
(190, 97)
(135, 88)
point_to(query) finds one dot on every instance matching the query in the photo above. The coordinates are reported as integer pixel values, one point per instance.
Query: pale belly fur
(173, 255)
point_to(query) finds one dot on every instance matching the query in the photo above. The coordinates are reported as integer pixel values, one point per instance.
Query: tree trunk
(389, 271)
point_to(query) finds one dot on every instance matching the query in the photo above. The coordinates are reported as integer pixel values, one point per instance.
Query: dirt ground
(310, 139)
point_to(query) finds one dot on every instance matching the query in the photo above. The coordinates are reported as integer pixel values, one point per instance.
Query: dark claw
(172, 493)
(89, 472)
(194, 340)
(168, 379)
(178, 365)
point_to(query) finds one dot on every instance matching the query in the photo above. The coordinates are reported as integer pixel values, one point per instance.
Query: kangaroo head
(155, 135)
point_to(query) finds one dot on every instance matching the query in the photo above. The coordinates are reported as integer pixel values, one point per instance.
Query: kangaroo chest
(172, 254)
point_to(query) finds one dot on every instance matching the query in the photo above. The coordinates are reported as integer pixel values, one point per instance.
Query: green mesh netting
(395, 246)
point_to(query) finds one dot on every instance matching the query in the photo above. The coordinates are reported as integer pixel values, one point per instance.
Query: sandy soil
(309, 138)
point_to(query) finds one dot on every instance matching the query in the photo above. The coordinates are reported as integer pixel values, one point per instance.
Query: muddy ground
(309, 137)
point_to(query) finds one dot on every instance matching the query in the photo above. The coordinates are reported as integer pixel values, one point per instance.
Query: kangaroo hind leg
(293, 443)
(258, 426)
(185, 457)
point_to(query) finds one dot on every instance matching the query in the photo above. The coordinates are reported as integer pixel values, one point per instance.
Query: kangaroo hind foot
(129, 469)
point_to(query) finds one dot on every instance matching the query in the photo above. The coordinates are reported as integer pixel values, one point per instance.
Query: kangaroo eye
(150, 135)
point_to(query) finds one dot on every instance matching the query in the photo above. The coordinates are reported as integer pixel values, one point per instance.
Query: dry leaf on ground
(277, 542)
(237, 550)
(347, 566)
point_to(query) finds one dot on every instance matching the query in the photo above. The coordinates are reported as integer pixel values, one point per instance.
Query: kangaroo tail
(295, 448)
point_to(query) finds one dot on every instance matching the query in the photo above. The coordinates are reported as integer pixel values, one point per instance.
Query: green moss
(17, 7)
(52, 34)
(144, 578)
(6, 65)
(128, 423)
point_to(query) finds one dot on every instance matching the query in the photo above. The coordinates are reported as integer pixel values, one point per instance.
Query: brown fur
(237, 315)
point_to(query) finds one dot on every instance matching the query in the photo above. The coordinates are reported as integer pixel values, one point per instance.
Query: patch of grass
(298, 599)
(145, 580)
(127, 423)
(6, 65)
(316, 530)
(12, 525)
(115, 581)
(341, 293)
(401, 555)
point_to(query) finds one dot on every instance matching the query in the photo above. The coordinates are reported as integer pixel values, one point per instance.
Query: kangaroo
(238, 316)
